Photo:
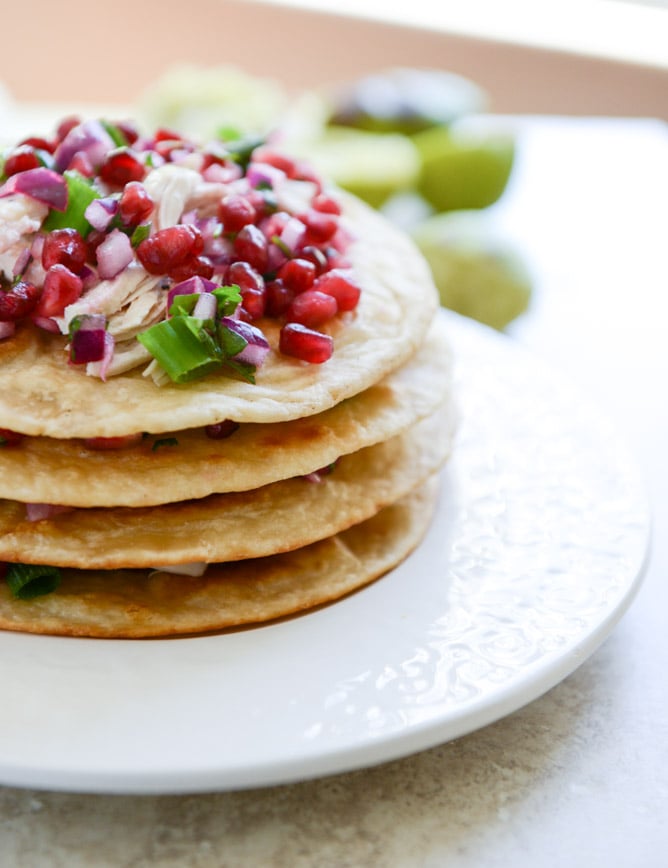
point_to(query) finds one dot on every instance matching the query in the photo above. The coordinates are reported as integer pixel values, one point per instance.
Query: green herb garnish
(164, 441)
(141, 232)
(183, 348)
(27, 581)
(80, 194)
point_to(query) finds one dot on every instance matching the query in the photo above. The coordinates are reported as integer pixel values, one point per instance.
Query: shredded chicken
(171, 187)
(20, 218)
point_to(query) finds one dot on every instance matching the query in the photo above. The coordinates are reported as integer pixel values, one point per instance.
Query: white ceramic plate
(535, 552)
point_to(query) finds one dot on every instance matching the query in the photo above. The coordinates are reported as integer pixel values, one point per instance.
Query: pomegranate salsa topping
(159, 251)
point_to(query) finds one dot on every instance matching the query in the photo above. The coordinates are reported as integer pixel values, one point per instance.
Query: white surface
(535, 553)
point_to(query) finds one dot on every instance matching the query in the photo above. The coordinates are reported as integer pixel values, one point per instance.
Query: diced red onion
(87, 345)
(41, 184)
(109, 345)
(275, 257)
(39, 511)
(206, 306)
(191, 286)
(293, 234)
(47, 324)
(101, 212)
(218, 174)
(7, 329)
(257, 348)
(114, 254)
(219, 250)
(263, 173)
(89, 137)
(21, 263)
(89, 276)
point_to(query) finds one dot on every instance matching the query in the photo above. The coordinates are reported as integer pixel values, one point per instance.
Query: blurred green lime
(477, 274)
(463, 168)
(373, 166)
(406, 100)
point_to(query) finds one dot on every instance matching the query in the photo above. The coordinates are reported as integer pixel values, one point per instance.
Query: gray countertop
(578, 777)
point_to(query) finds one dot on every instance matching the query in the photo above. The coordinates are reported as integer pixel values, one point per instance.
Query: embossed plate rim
(443, 645)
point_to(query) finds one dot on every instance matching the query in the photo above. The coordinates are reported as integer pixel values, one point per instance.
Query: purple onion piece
(206, 306)
(41, 184)
(89, 137)
(263, 173)
(191, 286)
(257, 347)
(87, 345)
(114, 254)
(101, 212)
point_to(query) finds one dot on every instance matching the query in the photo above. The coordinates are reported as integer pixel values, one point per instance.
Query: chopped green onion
(165, 441)
(228, 298)
(80, 194)
(231, 342)
(30, 580)
(282, 246)
(183, 305)
(116, 134)
(183, 348)
(141, 232)
(241, 150)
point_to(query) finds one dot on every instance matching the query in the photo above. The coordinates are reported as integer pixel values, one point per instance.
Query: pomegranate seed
(253, 304)
(122, 167)
(20, 160)
(168, 248)
(196, 266)
(244, 275)
(316, 256)
(278, 298)
(298, 274)
(64, 247)
(18, 301)
(320, 227)
(135, 205)
(312, 308)
(39, 144)
(325, 204)
(61, 287)
(251, 246)
(275, 159)
(305, 344)
(235, 212)
(340, 285)
(166, 135)
(65, 126)
(9, 437)
(221, 430)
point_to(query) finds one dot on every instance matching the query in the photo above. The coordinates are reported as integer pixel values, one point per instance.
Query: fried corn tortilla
(40, 394)
(49, 470)
(225, 527)
(139, 604)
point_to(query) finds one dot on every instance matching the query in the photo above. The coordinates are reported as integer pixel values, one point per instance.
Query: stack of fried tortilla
(327, 483)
